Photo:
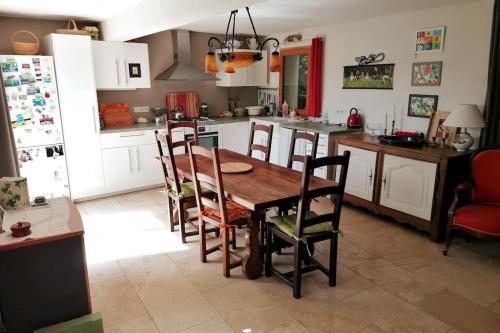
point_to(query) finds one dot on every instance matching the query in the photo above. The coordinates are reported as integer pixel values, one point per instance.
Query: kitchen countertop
(302, 125)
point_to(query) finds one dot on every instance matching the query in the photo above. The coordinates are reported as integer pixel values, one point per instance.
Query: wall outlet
(141, 109)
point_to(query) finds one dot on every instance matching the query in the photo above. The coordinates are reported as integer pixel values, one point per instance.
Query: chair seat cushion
(187, 190)
(287, 224)
(234, 212)
(480, 218)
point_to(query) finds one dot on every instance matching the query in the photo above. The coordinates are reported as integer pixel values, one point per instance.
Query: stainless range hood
(182, 68)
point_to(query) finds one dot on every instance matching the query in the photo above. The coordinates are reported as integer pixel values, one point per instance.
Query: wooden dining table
(266, 185)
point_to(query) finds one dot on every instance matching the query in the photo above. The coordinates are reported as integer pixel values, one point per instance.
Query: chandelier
(232, 59)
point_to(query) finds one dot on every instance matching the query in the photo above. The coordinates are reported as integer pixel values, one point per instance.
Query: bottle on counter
(284, 107)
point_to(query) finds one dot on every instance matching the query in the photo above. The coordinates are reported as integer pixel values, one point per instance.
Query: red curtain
(314, 78)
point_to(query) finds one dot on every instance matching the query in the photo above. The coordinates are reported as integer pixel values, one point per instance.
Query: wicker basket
(72, 31)
(25, 48)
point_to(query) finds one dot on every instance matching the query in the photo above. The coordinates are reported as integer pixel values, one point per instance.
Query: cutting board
(235, 167)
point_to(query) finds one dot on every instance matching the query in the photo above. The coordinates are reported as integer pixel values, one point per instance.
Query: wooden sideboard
(43, 279)
(411, 185)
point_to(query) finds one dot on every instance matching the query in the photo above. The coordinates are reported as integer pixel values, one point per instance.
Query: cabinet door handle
(130, 159)
(93, 114)
(384, 181)
(371, 176)
(138, 153)
(125, 68)
(117, 72)
(130, 135)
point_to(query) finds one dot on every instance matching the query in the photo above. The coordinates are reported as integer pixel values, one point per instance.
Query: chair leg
(225, 253)
(269, 252)
(182, 221)
(233, 238)
(332, 278)
(297, 262)
(170, 209)
(449, 234)
(203, 241)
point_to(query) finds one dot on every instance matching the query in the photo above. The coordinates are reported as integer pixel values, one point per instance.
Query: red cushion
(486, 166)
(481, 218)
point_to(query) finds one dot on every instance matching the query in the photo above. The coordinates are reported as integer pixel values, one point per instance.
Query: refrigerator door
(45, 168)
(31, 93)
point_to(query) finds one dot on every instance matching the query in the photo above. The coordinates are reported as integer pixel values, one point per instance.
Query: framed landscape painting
(422, 106)
(430, 40)
(426, 73)
(368, 76)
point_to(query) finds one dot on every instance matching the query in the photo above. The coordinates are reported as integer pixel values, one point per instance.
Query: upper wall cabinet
(254, 75)
(119, 65)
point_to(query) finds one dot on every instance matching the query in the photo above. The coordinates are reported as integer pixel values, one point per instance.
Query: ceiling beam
(151, 16)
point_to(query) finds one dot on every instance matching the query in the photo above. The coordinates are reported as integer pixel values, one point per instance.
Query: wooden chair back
(212, 183)
(307, 137)
(168, 162)
(336, 191)
(255, 146)
(182, 124)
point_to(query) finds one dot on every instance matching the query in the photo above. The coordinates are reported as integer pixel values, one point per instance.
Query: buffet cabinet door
(408, 186)
(361, 172)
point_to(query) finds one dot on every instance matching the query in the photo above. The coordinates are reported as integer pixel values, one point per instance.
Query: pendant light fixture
(233, 60)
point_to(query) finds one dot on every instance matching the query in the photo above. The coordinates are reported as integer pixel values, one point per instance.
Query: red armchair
(476, 208)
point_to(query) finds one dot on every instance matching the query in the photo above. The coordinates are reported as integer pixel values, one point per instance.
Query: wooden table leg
(252, 263)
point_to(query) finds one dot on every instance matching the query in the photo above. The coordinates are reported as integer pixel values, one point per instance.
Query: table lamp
(464, 116)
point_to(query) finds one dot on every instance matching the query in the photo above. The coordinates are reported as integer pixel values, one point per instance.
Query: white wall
(465, 61)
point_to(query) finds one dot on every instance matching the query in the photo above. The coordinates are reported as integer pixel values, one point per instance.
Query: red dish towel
(188, 101)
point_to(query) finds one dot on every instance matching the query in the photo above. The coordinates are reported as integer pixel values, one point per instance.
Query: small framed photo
(379, 76)
(430, 40)
(426, 73)
(134, 70)
(422, 106)
(437, 130)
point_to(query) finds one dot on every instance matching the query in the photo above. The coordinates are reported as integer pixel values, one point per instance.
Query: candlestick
(385, 129)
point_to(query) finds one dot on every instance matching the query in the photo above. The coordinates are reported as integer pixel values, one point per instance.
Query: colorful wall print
(426, 73)
(422, 106)
(430, 40)
(368, 76)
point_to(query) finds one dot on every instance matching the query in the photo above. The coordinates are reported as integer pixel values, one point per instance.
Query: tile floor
(391, 278)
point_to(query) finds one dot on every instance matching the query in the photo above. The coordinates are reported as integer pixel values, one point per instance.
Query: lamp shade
(275, 62)
(465, 115)
(211, 63)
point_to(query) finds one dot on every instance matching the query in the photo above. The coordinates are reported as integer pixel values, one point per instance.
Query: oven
(208, 136)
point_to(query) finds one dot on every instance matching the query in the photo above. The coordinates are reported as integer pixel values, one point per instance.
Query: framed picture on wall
(134, 70)
(430, 40)
(379, 76)
(422, 106)
(426, 73)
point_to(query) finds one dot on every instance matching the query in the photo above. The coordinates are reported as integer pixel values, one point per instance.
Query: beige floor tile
(117, 300)
(393, 314)
(371, 329)
(150, 270)
(269, 317)
(460, 313)
(103, 271)
(495, 307)
(411, 287)
(142, 324)
(292, 327)
(215, 325)
(320, 312)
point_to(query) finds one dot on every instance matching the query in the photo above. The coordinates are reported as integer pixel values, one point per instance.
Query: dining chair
(221, 212)
(180, 196)
(476, 208)
(263, 148)
(171, 124)
(305, 228)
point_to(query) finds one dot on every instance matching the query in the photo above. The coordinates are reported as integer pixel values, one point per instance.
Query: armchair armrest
(462, 197)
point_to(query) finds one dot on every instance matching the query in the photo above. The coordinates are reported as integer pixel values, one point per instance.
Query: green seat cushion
(287, 224)
(187, 190)
(91, 323)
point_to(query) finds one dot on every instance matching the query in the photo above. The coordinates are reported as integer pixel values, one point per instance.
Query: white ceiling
(86, 10)
(274, 16)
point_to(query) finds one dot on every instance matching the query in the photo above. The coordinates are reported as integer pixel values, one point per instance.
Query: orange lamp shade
(275, 62)
(228, 67)
(211, 63)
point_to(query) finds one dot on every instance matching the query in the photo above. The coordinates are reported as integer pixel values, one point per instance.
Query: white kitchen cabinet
(148, 171)
(112, 65)
(361, 172)
(79, 112)
(254, 75)
(408, 186)
(234, 136)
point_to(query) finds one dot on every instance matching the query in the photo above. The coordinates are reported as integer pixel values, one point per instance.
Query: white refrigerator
(31, 92)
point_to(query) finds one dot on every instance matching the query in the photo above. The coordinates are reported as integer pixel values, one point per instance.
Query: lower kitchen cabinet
(234, 136)
(411, 185)
(131, 167)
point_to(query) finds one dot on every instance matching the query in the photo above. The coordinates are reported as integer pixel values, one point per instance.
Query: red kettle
(354, 120)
